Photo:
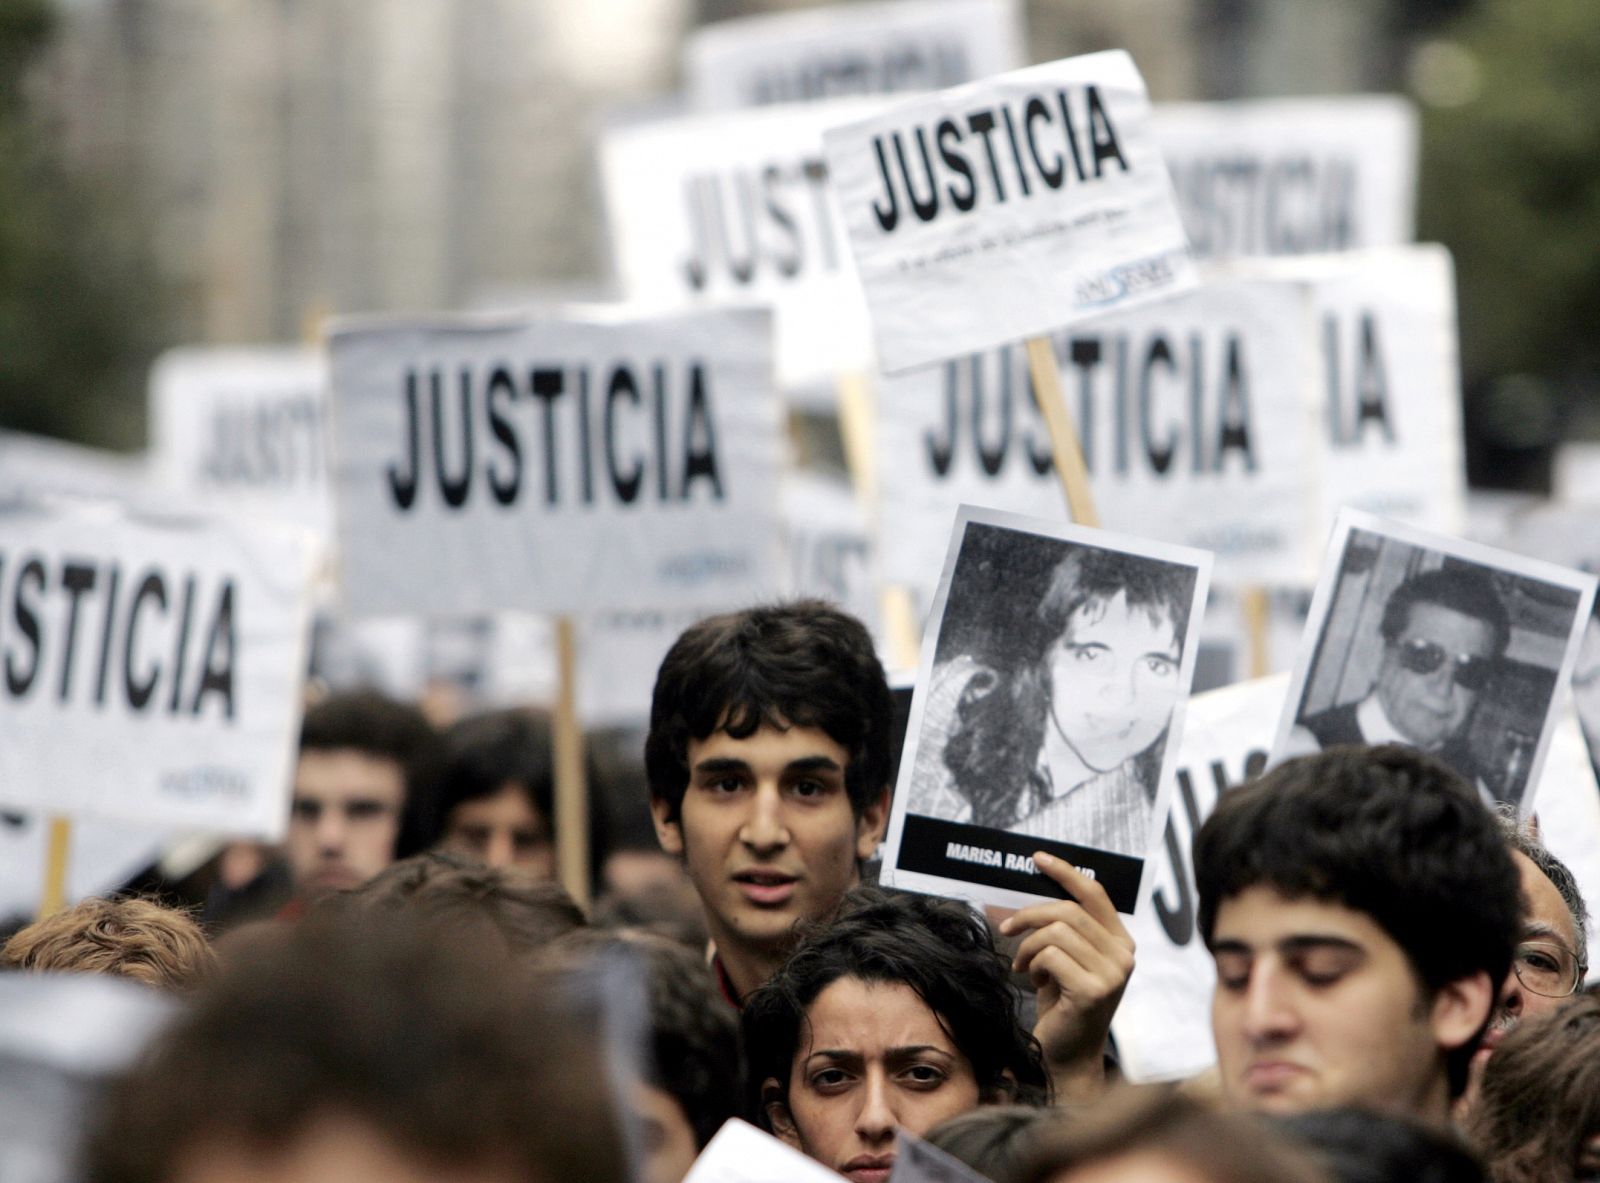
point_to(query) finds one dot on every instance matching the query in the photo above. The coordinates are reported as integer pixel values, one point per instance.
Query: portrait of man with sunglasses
(1444, 632)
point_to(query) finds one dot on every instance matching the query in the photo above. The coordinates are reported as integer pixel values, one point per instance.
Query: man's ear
(668, 833)
(777, 1111)
(870, 826)
(1460, 1009)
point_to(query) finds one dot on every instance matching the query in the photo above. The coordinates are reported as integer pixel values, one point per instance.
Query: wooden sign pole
(54, 896)
(857, 428)
(1063, 434)
(572, 789)
(1255, 625)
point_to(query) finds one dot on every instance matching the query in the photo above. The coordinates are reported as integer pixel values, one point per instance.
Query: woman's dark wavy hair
(1541, 1095)
(800, 664)
(1001, 718)
(941, 949)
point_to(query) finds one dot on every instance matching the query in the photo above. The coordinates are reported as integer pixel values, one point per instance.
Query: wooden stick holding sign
(1255, 626)
(1064, 444)
(857, 430)
(54, 896)
(572, 788)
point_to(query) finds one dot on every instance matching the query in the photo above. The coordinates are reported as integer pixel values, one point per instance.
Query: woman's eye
(924, 1075)
(830, 1079)
(1161, 667)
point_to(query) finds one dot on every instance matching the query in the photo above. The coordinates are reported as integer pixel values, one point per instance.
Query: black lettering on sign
(271, 442)
(1024, 149)
(669, 446)
(1178, 915)
(772, 222)
(136, 649)
(1364, 400)
(989, 413)
(1244, 205)
(890, 70)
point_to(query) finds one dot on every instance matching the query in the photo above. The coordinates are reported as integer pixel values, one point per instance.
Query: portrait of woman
(1056, 725)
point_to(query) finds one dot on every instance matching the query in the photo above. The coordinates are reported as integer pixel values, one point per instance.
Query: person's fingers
(1043, 916)
(1085, 892)
(1060, 934)
(1055, 967)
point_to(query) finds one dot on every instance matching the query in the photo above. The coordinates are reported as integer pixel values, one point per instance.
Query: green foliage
(78, 321)
(1511, 183)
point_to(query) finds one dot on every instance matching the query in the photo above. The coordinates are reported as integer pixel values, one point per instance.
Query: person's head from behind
(363, 1052)
(129, 938)
(897, 1014)
(768, 758)
(1538, 1117)
(995, 1140)
(1361, 907)
(1360, 1146)
(365, 765)
(496, 791)
(519, 914)
(1552, 954)
(1156, 1135)
(689, 1072)
(1443, 634)
(1096, 664)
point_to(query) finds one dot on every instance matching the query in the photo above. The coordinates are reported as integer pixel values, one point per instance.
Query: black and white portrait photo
(1061, 660)
(1437, 644)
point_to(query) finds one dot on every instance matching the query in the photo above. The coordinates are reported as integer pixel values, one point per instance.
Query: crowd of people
(408, 994)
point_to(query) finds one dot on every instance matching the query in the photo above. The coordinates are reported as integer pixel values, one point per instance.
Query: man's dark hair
(375, 724)
(1388, 831)
(436, 1045)
(694, 1038)
(1464, 589)
(800, 664)
(483, 752)
(939, 948)
(449, 891)
(1360, 1146)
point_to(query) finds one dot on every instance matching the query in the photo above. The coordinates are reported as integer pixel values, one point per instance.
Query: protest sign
(1390, 382)
(104, 855)
(1198, 420)
(244, 431)
(491, 463)
(830, 547)
(35, 465)
(874, 48)
(1049, 204)
(1292, 176)
(1163, 1024)
(1575, 475)
(153, 666)
(737, 207)
(740, 1153)
(1047, 703)
(916, 1161)
(1446, 645)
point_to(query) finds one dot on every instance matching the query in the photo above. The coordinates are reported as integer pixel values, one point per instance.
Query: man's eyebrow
(721, 764)
(1304, 942)
(813, 764)
(1230, 946)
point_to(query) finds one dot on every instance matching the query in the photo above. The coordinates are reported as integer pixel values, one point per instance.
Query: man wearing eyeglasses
(1443, 634)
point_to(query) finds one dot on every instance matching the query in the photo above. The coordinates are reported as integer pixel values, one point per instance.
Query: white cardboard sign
(1197, 416)
(1390, 384)
(830, 546)
(1006, 208)
(153, 668)
(1292, 176)
(489, 464)
(245, 430)
(736, 207)
(1163, 1024)
(35, 465)
(855, 49)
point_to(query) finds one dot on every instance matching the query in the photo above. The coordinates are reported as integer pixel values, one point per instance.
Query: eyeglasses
(1470, 672)
(1546, 968)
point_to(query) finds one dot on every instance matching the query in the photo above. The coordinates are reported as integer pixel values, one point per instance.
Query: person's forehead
(850, 1014)
(336, 774)
(1437, 622)
(1546, 912)
(769, 747)
(511, 805)
(1116, 611)
(1261, 917)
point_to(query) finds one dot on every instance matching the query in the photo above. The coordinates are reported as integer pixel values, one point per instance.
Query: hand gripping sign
(556, 465)
(151, 667)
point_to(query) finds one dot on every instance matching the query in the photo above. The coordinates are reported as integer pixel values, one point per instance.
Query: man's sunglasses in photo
(1424, 657)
